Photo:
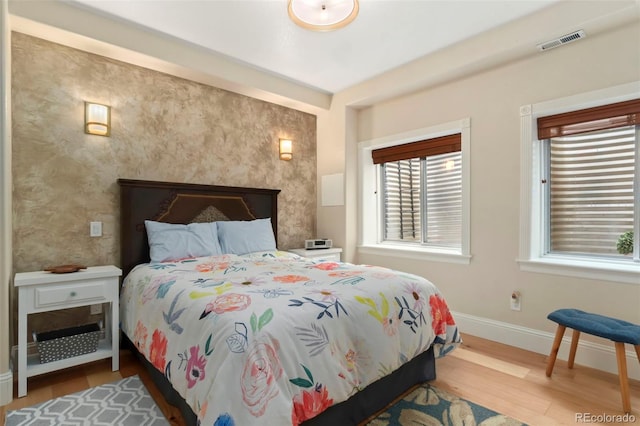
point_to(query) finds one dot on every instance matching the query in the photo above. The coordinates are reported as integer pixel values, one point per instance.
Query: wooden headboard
(182, 203)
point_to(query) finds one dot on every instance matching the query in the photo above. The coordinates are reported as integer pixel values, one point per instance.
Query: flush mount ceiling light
(323, 15)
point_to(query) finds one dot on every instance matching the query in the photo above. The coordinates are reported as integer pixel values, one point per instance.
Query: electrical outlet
(96, 309)
(95, 229)
(516, 301)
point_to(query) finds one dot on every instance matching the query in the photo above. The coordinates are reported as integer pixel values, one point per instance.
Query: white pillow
(169, 241)
(242, 237)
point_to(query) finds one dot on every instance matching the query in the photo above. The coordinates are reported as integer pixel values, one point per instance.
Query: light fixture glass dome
(323, 15)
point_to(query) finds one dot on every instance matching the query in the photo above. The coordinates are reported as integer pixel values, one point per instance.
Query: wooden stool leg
(622, 375)
(574, 347)
(554, 349)
(637, 351)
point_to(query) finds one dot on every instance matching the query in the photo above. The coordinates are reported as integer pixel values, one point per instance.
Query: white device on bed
(321, 243)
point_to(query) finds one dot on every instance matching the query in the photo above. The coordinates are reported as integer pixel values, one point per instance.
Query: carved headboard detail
(210, 214)
(184, 208)
(184, 203)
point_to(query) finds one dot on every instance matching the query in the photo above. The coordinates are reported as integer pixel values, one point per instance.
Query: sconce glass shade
(286, 149)
(97, 119)
(323, 15)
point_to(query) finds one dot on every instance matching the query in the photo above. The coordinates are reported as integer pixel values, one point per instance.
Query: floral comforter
(273, 338)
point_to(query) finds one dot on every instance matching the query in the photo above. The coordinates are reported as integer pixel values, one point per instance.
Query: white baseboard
(6, 388)
(594, 355)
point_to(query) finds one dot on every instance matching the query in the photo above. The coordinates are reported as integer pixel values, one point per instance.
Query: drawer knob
(74, 294)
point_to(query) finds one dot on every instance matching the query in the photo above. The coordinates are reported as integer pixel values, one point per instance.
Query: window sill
(622, 272)
(417, 253)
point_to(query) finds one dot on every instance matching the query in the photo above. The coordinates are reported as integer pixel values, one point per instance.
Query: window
(416, 188)
(590, 181)
(580, 172)
(422, 195)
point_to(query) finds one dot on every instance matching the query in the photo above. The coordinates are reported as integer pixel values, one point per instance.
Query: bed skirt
(353, 411)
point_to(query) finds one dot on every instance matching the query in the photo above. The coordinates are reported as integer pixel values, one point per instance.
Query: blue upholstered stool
(619, 331)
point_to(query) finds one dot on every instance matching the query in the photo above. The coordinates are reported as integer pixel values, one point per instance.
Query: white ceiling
(385, 35)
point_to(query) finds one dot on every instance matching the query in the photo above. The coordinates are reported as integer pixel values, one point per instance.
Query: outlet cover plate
(515, 304)
(95, 229)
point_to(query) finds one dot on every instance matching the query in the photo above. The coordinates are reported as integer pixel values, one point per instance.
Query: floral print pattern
(195, 367)
(228, 303)
(259, 376)
(140, 336)
(440, 315)
(416, 295)
(327, 266)
(309, 403)
(158, 350)
(259, 324)
(290, 279)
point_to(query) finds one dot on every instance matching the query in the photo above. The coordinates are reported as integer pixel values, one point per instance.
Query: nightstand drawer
(332, 254)
(65, 294)
(335, 257)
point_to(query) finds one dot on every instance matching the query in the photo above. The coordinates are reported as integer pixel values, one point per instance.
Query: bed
(247, 334)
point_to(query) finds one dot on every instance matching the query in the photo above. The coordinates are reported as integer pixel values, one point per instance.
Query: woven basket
(68, 342)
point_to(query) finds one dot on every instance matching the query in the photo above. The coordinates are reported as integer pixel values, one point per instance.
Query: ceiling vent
(568, 38)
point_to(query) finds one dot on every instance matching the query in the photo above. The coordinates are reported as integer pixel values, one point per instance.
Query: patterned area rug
(123, 403)
(430, 406)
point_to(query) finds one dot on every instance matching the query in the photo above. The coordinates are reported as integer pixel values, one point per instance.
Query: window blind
(590, 119)
(591, 178)
(419, 149)
(423, 200)
(401, 186)
(444, 200)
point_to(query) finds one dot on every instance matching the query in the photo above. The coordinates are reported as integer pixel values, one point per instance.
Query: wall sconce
(286, 149)
(97, 119)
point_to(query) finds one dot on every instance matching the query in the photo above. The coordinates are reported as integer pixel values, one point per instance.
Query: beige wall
(164, 128)
(492, 100)
(487, 79)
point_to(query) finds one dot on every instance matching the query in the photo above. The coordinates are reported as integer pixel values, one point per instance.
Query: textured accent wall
(164, 128)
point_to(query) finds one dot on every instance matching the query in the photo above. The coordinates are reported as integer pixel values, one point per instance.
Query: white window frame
(532, 256)
(371, 233)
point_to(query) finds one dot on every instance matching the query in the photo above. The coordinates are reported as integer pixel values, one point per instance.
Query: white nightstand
(44, 291)
(333, 254)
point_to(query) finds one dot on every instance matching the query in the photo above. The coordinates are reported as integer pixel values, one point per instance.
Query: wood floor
(503, 378)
